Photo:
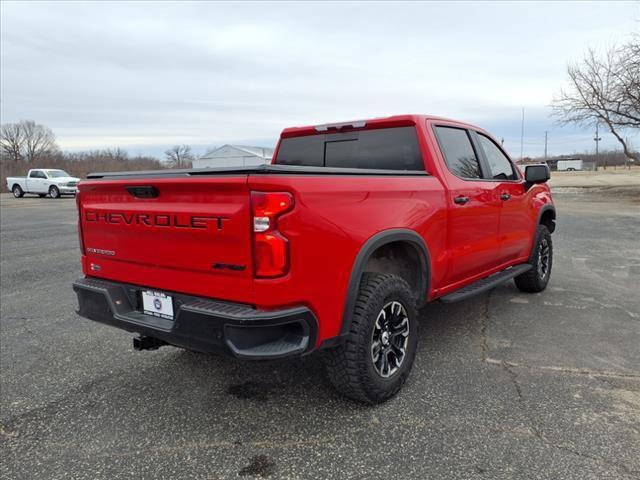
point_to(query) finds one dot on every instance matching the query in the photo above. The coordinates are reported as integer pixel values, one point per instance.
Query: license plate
(157, 304)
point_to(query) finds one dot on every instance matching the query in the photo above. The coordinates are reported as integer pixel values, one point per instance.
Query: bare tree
(117, 154)
(27, 140)
(38, 140)
(179, 156)
(604, 89)
(11, 142)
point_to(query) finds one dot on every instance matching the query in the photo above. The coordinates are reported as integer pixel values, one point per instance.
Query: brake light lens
(82, 252)
(270, 247)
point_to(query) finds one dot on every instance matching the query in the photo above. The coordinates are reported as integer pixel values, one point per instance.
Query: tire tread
(529, 282)
(346, 364)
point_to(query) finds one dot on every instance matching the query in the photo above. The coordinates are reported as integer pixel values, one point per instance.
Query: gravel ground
(618, 177)
(506, 385)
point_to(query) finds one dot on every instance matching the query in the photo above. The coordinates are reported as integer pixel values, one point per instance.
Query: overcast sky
(145, 75)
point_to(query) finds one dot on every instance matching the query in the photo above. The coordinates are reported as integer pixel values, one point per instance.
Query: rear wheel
(54, 192)
(17, 191)
(541, 260)
(376, 357)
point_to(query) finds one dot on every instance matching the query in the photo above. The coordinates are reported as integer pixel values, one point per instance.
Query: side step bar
(486, 283)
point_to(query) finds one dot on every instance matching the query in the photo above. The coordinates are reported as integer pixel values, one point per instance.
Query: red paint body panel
(332, 218)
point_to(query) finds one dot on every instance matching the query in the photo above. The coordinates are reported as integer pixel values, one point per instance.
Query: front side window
(458, 152)
(499, 164)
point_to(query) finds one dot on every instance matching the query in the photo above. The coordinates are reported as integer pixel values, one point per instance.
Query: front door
(514, 232)
(37, 182)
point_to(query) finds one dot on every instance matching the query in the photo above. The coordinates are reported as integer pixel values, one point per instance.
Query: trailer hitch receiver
(144, 342)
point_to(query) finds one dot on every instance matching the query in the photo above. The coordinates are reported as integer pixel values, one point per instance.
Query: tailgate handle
(143, 191)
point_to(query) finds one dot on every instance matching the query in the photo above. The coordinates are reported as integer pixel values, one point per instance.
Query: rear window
(383, 149)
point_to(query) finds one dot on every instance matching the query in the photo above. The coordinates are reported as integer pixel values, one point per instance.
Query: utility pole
(597, 140)
(545, 144)
(522, 137)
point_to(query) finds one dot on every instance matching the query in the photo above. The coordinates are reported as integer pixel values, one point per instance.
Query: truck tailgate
(178, 234)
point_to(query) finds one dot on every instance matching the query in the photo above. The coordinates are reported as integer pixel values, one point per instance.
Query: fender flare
(545, 208)
(370, 246)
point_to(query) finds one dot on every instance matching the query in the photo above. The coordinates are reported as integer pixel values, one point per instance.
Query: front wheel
(541, 259)
(17, 191)
(374, 360)
(54, 192)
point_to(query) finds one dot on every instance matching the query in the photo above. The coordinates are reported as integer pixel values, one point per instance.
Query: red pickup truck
(331, 248)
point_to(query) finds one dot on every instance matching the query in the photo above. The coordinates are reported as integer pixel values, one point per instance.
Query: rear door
(514, 231)
(474, 212)
(182, 234)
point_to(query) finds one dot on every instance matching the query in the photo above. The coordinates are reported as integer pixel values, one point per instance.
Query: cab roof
(371, 123)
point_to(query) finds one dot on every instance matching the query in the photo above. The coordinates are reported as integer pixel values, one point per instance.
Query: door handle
(505, 196)
(461, 200)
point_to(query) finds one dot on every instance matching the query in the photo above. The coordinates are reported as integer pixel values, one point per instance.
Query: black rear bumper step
(485, 284)
(200, 323)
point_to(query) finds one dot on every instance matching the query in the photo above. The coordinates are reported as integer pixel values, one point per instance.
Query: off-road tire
(533, 281)
(54, 192)
(17, 191)
(350, 366)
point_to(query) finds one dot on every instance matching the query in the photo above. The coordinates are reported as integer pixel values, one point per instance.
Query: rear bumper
(201, 324)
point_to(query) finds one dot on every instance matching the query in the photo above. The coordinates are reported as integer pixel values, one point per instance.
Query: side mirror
(536, 174)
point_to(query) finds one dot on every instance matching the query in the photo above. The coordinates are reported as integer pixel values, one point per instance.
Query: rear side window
(37, 174)
(458, 152)
(499, 164)
(383, 149)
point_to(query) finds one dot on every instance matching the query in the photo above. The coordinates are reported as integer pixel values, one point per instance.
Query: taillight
(79, 222)
(270, 247)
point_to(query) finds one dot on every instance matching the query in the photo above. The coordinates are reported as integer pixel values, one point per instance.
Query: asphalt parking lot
(506, 385)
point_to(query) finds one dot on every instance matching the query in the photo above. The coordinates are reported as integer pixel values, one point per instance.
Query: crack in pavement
(485, 317)
(509, 368)
(484, 322)
(513, 375)
(570, 370)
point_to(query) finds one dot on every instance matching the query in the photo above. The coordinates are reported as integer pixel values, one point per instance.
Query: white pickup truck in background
(44, 181)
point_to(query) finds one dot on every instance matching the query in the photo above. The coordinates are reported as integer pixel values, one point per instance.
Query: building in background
(234, 156)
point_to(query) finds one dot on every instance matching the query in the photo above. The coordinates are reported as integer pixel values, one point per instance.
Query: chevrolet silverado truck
(43, 182)
(332, 248)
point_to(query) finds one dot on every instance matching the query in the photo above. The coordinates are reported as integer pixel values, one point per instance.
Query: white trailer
(569, 165)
